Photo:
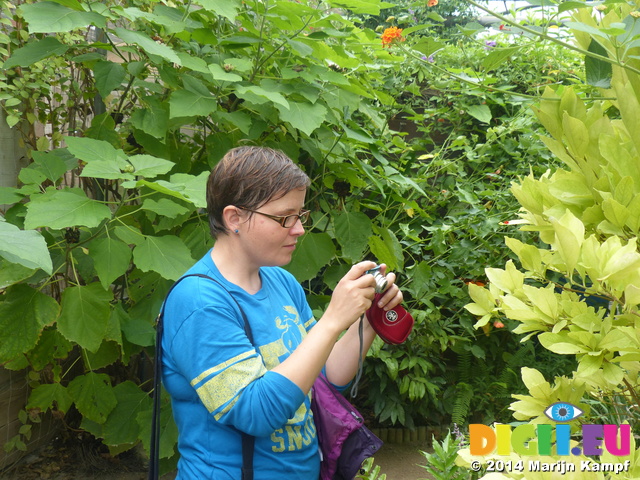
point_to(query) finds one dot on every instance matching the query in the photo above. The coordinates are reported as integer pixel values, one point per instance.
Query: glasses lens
(291, 220)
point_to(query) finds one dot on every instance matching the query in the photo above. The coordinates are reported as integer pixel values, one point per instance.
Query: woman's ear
(231, 217)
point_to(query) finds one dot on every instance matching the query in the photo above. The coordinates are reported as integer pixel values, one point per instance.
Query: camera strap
(356, 381)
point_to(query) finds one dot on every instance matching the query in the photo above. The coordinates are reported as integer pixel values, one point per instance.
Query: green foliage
(370, 471)
(441, 464)
(544, 394)
(471, 135)
(577, 293)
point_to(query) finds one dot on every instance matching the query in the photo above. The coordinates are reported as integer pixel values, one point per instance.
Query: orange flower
(391, 34)
(432, 3)
(498, 324)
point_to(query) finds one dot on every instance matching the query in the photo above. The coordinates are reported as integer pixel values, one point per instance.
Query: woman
(220, 382)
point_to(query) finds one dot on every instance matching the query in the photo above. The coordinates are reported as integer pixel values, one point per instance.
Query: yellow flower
(391, 34)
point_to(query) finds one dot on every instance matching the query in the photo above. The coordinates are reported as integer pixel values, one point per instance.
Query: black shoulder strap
(248, 441)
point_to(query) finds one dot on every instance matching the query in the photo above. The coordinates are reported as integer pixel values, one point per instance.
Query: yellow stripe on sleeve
(221, 366)
(223, 389)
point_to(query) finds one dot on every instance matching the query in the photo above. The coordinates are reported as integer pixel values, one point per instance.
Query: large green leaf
(52, 165)
(50, 395)
(51, 346)
(85, 315)
(225, 8)
(164, 207)
(121, 426)
(33, 52)
(31, 176)
(109, 76)
(103, 159)
(114, 327)
(24, 247)
(387, 249)
(154, 120)
(23, 314)
(194, 188)
(137, 330)
(195, 64)
(149, 167)
(12, 273)
(182, 186)
(313, 252)
(353, 230)
(93, 396)
(111, 259)
(49, 17)
(306, 117)
(108, 353)
(221, 74)
(64, 208)
(599, 72)
(167, 255)
(480, 112)
(259, 95)
(9, 196)
(241, 120)
(148, 44)
(428, 46)
(103, 127)
(186, 103)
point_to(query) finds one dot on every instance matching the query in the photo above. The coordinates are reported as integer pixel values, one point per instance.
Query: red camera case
(393, 326)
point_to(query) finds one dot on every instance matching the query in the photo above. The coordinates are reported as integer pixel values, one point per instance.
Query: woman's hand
(352, 296)
(342, 364)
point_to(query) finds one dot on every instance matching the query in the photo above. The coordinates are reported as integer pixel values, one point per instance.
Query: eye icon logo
(545, 439)
(563, 412)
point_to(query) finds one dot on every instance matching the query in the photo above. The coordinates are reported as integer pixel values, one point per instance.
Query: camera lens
(381, 281)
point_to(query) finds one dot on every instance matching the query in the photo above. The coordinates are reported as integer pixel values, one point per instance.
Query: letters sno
(529, 439)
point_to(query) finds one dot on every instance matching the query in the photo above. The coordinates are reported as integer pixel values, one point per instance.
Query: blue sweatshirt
(220, 383)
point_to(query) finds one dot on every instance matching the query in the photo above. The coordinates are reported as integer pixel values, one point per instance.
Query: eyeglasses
(287, 221)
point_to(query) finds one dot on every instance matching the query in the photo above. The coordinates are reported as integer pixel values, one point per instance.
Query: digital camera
(381, 281)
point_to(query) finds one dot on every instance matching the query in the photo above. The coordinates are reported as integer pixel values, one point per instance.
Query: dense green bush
(472, 132)
(577, 292)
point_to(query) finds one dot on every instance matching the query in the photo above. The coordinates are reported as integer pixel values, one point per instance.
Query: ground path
(399, 461)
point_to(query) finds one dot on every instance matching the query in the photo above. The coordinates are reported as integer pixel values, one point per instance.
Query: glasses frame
(282, 219)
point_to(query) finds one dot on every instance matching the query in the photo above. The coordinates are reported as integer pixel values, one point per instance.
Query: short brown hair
(249, 177)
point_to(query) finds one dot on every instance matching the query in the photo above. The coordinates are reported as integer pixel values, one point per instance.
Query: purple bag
(343, 439)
